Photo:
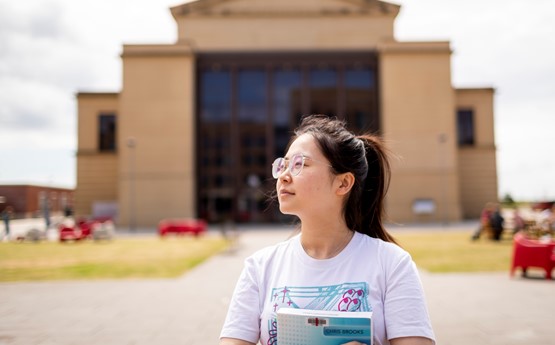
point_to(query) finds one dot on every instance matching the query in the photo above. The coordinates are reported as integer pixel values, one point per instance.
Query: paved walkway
(465, 308)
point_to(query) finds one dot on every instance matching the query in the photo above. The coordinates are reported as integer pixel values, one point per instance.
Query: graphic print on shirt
(341, 297)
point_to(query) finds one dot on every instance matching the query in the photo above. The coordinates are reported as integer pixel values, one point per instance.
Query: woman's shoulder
(267, 253)
(377, 245)
(387, 255)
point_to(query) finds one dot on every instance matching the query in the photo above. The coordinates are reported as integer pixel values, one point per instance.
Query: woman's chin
(286, 210)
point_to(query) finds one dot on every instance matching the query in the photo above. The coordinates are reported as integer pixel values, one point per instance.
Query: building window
(323, 90)
(107, 132)
(361, 99)
(253, 102)
(465, 127)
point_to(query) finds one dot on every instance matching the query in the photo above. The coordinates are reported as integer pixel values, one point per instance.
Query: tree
(508, 200)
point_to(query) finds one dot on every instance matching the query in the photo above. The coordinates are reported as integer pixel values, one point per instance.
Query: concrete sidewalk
(465, 308)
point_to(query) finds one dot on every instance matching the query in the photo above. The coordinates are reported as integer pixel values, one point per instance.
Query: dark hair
(365, 157)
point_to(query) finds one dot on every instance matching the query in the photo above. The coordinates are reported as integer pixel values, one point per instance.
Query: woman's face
(310, 193)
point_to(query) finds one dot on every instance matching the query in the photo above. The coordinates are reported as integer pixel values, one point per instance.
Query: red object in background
(181, 226)
(83, 229)
(80, 231)
(532, 253)
(543, 205)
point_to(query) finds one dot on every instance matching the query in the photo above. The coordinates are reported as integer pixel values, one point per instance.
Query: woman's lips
(285, 192)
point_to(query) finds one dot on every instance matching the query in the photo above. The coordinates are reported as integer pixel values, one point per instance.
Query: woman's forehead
(305, 144)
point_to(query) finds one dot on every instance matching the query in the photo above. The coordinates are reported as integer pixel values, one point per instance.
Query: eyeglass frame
(286, 161)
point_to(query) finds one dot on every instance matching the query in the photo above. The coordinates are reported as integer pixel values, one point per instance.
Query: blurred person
(343, 259)
(68, 212)
(46, 213)
(7, 215)
(497, 223)
(518, 221)
(485, 221)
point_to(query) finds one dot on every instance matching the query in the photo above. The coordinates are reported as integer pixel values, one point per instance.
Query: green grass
(433, 251)
(120, 258)
(453, 251)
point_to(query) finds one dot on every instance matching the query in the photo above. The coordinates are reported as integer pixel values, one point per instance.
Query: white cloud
(30, 104)
(49, 51)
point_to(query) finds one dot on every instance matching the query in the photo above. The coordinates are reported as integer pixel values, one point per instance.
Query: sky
(52, 49)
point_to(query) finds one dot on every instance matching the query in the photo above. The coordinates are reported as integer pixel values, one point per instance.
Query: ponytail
(371, 196)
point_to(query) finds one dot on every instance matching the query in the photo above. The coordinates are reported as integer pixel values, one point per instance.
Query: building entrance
(247, 106)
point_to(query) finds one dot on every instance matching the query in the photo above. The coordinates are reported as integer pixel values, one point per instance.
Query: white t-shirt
(368, 275)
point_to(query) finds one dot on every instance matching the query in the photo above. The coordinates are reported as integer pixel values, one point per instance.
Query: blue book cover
(322, 327)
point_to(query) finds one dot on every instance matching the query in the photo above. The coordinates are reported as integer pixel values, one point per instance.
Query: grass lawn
(149, 257)
(453, 251)
(152, 257)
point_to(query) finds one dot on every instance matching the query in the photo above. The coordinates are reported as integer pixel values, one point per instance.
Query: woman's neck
(324, 238)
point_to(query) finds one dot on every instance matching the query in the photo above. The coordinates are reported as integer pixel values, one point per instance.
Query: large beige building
(197, 123)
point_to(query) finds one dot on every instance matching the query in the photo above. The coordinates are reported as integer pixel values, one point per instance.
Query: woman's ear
(345, 183)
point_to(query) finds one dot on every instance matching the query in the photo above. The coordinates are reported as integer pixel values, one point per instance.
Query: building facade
(33, 201)
(197, 123)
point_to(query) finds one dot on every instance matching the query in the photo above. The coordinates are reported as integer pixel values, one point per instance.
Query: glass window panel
(286, 96)
(215, 102)
(465, 127)
(214, 140)
(107, 132)
(360, 98)
(252, 95)
(323, 91)
(323, 78)
(287, 106)
(252, 111)
(359, 78)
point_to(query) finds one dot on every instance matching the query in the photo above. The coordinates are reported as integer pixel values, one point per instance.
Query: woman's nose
(285, 175)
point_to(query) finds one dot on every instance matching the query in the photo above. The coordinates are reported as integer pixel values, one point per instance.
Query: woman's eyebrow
(294, 154)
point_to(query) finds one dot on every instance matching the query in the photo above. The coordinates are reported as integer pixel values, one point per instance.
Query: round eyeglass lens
(277, 167)
(296, 165)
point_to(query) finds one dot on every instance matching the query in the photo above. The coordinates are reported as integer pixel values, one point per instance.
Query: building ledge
(91, 152)
(86, 94)
(142, 50)
(475, 89)
(415, 47)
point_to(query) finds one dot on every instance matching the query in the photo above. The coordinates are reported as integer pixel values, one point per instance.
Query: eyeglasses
(295, 165)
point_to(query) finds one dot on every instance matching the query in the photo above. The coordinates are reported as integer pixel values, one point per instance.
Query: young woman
(343, 259)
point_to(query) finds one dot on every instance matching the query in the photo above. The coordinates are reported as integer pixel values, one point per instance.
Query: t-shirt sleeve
(405, 310)
(243, 316)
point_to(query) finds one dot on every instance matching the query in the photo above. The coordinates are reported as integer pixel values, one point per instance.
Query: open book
(322, 327)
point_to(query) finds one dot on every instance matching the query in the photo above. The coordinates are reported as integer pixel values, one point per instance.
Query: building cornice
(87, 94)
(93, 152)
(475, 89)
(145, 50)
(217, 8)
(427, 47)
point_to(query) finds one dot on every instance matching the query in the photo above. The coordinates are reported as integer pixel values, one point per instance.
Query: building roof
(284, 7)
(32, 185)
